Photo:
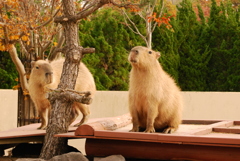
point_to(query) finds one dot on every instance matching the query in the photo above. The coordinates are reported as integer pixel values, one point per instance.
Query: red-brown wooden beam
(160, 151)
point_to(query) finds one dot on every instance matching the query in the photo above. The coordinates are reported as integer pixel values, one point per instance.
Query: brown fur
(155, 101)
(45, 74)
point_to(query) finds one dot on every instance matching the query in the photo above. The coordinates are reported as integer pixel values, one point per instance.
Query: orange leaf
(24, 38)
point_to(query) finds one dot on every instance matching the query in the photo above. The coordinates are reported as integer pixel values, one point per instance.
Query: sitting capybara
(155, 101)
(47, 75)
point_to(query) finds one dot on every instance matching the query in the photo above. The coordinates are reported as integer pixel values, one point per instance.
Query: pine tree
(8, 72)
(224, 40)
(185, 53)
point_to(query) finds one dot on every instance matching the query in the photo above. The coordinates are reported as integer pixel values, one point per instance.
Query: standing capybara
(47, 75)
(155, 101)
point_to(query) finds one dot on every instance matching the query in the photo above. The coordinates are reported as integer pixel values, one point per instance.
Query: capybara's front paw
(42, 128)
(169, 130)
(150, 130)
(134, 130)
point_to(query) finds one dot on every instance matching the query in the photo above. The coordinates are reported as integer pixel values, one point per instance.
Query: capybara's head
(42, 72)
(142, 56)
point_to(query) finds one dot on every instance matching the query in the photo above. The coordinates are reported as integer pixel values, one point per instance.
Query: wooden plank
(25, 134)
(227, 130)
(169, 138)
(160, 151)
(209, 128)
(236, 122)
(200, 122)
(38, 139)
(25, 131)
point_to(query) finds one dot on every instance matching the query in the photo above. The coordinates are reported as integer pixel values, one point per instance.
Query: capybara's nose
(48, 73)
(135, 52)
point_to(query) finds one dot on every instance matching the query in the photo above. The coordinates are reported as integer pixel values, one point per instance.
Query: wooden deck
(208, 140)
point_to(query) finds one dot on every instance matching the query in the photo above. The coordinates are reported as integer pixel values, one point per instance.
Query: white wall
(198, 105)
(109, 104)
(8, 109)
(212, 105)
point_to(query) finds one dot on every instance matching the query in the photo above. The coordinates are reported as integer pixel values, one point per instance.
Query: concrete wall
(109, 104)
(212, 105)
(8, 109)
(198, 105)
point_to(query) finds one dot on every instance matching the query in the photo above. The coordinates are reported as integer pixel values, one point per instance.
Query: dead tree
(61, 101)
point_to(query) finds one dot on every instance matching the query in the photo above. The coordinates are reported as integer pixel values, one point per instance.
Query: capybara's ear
(32, 64)
(158, 54)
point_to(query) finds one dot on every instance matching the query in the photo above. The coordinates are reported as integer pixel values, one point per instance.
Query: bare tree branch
(90, 7)
(24, 50)
(128, 4)
(50, 20)
(135, 27)
(20, 68)
(54, 52)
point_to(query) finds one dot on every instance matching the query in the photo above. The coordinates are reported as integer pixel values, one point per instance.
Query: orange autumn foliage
(19, 17)
(161, 20)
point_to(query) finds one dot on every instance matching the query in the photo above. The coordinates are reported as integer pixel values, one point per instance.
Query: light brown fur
(155, 101)
(47, 75)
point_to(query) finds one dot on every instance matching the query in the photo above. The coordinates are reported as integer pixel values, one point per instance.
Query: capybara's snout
(49, 77)
(134, 51)
(133, 55)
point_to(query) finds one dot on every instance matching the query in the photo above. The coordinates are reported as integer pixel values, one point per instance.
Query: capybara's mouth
(49, 80)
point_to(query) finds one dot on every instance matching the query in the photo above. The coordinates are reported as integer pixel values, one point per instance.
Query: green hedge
(8, 73)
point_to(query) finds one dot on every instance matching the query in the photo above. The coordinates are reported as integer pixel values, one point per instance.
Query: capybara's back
(85, 81)
(155, 101)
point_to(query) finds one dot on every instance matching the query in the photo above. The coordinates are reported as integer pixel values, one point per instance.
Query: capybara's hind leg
(44, 117)
(85, 114)
(173, 125)
(169, 130)
(75, 113)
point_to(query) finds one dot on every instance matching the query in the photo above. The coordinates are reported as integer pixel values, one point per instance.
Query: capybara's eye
(37, 67)
(150, 52)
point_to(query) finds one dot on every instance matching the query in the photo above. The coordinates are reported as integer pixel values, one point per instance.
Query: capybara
(155, 101)
(46, 75)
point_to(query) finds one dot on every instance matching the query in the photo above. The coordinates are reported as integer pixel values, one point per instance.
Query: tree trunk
(61, 108)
